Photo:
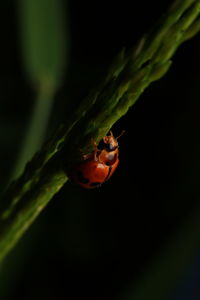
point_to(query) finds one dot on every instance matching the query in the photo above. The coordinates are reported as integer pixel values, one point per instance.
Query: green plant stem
(130, 73)
(15, 220)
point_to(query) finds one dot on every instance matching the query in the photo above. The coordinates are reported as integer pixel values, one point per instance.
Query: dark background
(98, 243)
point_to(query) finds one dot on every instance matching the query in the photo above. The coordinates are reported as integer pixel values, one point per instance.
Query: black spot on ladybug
(81, 178)
(95, 184)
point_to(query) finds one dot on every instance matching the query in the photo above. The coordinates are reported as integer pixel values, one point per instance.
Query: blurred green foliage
(44, 53)
(43, 39)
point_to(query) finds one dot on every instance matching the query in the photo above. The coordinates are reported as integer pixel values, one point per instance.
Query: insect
(98, 166)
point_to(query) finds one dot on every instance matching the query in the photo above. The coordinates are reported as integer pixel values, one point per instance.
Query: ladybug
(98, 166)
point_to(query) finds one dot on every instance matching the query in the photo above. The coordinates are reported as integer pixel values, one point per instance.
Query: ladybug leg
(94, 144)
(94, 154)
(84, 156)
(96, 150)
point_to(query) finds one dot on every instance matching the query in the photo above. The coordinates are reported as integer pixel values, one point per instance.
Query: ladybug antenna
(123, 131)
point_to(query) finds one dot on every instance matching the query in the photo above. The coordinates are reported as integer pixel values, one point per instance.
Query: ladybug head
(110, 143)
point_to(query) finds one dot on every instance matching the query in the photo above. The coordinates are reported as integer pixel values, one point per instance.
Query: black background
(97, 243)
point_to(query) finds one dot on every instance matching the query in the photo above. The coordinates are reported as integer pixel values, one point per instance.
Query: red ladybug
(98, 166)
